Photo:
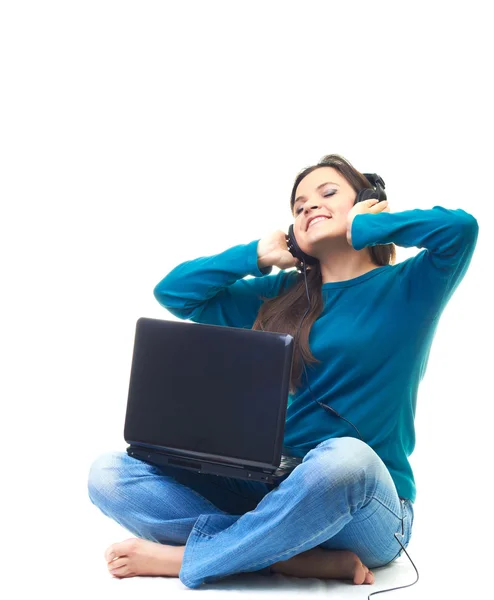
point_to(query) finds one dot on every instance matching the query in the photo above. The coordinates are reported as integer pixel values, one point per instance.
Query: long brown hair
(283, 313)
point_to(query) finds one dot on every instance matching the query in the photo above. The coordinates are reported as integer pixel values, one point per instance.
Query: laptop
(210, 399)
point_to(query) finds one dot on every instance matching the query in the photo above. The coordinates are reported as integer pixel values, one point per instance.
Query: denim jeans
(340, 497)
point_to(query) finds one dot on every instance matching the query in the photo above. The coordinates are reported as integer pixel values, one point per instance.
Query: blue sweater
(373, 336)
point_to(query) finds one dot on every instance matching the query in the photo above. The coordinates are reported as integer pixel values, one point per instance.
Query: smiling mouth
(318, 220)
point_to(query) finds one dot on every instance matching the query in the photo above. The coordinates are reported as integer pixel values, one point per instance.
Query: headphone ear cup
(295, 249)
(366, 194)
(377, 191)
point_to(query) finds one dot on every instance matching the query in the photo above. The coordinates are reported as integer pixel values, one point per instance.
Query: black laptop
(210, 399)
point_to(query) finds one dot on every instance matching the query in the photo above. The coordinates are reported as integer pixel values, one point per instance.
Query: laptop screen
(203, 388)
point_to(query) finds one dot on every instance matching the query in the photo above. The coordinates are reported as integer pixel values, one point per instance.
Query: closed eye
(325, 195)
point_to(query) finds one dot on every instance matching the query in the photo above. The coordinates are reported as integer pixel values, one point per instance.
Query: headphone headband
(375, 179)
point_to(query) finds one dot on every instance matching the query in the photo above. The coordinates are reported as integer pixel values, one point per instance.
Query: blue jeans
(340, 497)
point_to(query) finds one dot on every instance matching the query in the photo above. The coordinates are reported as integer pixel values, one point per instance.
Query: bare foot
(142, 557)
(326, 564)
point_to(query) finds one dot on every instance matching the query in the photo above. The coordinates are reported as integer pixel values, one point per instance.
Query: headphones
(376, 192)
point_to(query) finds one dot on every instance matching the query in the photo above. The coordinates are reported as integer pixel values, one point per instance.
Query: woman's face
(322, 192)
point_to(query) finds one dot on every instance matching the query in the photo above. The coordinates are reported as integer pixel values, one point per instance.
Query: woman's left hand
(361, 208)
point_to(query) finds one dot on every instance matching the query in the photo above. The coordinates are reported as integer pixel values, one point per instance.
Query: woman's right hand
(272, 251)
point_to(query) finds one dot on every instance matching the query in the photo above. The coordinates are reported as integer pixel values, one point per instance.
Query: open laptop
(210, 399)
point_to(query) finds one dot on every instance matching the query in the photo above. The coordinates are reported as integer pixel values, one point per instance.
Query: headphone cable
(325, 406)
(329, 409)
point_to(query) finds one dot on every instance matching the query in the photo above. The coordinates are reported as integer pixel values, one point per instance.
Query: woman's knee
(105, 474)
(344, 458)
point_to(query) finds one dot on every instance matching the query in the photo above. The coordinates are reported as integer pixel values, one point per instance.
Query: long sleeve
(212, 289)
(449, 237)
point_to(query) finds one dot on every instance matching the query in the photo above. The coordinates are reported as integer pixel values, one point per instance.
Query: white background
(137, 135)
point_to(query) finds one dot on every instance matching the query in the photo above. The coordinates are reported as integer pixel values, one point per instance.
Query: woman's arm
(212, 289)
(448, 236)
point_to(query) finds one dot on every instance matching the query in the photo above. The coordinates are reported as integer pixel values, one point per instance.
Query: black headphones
(376, 192)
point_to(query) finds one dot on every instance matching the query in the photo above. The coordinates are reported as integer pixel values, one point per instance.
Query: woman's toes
(369, 578)
(109, 553)
(117, 563)
(121, 572)
(362, 575)
(121, 549)
(359, 574)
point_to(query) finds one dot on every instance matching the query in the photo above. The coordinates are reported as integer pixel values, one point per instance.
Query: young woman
(370, 324)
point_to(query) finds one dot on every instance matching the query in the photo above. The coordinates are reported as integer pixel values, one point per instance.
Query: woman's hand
(272, 251)
(361, 208)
